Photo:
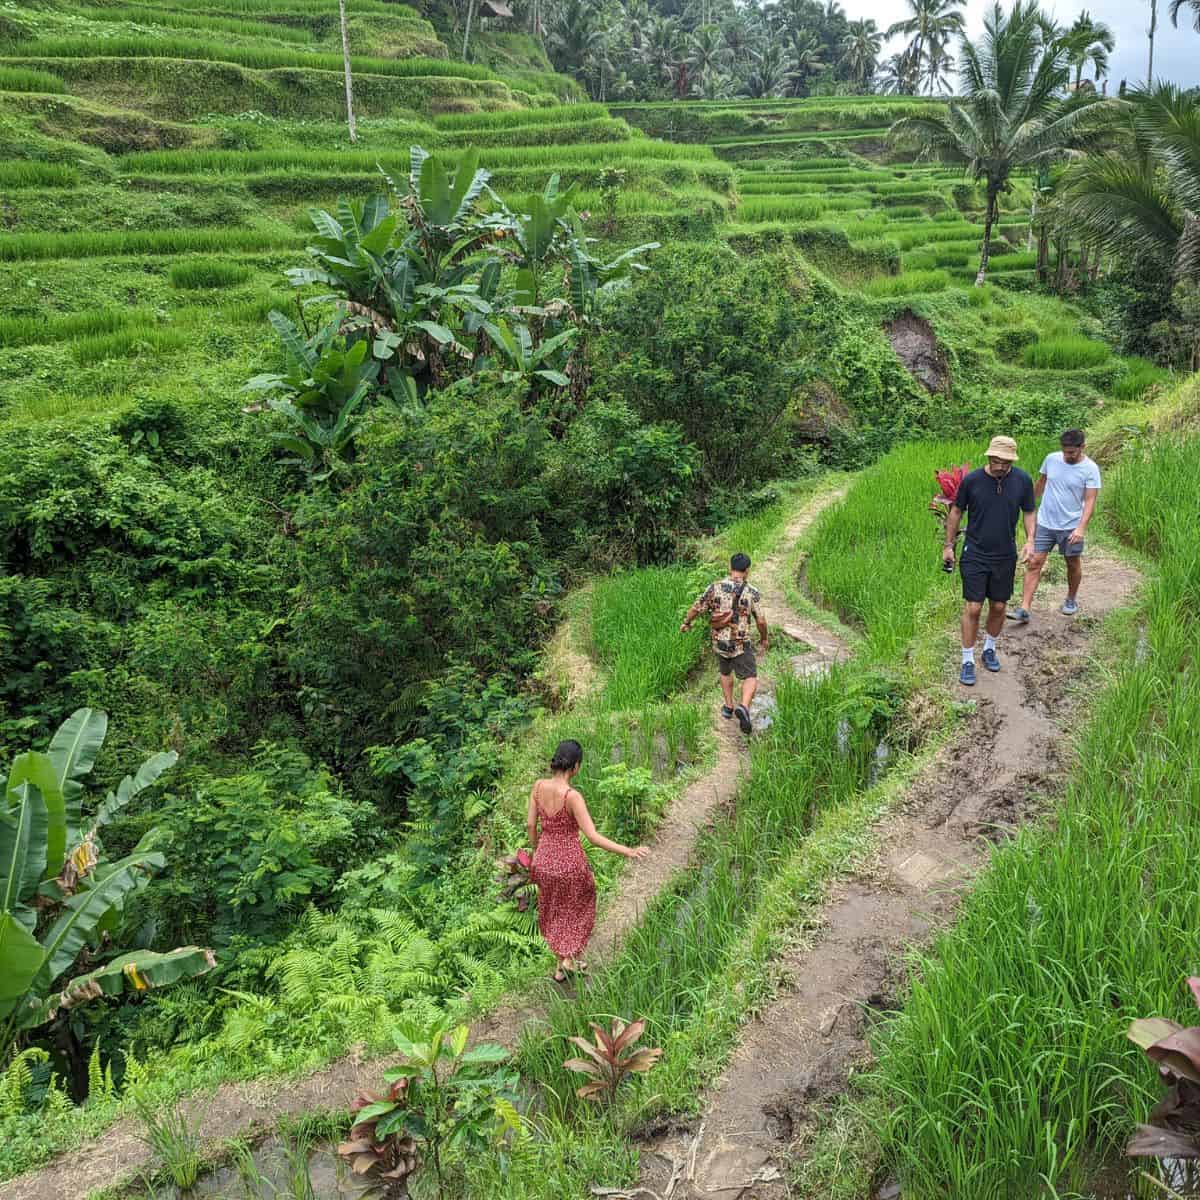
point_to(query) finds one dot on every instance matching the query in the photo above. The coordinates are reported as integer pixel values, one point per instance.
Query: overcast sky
(1176, 51)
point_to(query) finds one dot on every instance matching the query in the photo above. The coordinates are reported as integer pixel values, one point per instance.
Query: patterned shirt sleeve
(708, 596)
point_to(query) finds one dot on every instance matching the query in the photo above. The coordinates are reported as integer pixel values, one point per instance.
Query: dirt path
(798, 1052)
(249, 1109)
(673, 842)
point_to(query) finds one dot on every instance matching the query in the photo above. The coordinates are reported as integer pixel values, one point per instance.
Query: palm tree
(767, 76)
(1141, 200)
(804, 56)
(1150, 33)
(898, 74)
(1178, 5)
(662, 46)
(706, 52)
(860, 51)
(1088, 41)
(575, 36)
(939, 64)
(1012, 114)
(932, 23)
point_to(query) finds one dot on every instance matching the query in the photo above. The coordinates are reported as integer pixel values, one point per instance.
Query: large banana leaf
(73, 751)
(33, 780)
(23, 826)
(20, 958)
(130, 786)
(137, 972)
(84, 911)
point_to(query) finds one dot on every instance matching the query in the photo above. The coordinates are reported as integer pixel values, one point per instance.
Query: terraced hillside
(159, 162)
(906, 236)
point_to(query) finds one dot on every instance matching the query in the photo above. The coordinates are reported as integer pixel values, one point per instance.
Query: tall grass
(906, 283)
(22, 173)
(199, 22)
(1137, 378)
(635, 633)
(22, 79)
(208, 273)
(19, 247)
(1009, 1064)
(1066, 352)
(780, 208)
(260, 57)
(667, 964)
(558, 114)
(876, 558)
(248, 162)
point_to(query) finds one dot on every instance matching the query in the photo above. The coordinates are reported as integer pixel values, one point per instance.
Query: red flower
(950, 481)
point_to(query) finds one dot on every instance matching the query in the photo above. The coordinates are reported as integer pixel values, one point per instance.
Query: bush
(724, 345)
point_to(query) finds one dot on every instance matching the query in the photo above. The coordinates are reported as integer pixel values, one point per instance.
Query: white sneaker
(1070, 607)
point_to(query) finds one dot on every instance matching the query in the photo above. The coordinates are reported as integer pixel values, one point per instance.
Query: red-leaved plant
(948, 484)
(516, 880)
(1173, 1130)
(381, 1150)
(607, 1063)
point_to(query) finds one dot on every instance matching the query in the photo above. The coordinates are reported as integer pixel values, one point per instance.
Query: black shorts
(742, 665)
(987, 578)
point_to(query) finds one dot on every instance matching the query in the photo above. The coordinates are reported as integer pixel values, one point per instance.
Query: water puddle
(276, 1170)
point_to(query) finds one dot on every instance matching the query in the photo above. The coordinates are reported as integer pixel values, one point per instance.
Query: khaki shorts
(743, 665)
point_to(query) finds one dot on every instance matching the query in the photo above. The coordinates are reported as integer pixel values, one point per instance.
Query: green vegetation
(462, 508)
(1009, 995)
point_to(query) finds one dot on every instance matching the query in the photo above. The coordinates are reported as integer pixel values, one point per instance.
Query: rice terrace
(600, 599)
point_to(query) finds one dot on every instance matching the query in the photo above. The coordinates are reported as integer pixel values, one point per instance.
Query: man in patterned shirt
(731, 603)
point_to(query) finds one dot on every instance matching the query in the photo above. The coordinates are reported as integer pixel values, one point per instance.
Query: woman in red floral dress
(566, 888)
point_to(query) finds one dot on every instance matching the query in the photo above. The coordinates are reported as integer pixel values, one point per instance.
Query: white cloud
(1176, 51)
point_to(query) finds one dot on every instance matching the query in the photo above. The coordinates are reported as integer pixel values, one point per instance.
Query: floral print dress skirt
(566, 887)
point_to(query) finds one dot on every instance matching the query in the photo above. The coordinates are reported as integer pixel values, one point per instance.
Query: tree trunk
(467, 31)
(68, 1045)
(1043, 258)
(989, 221)
(1032, 219)
(346, 65)
(1084, 277)
(1153, 28)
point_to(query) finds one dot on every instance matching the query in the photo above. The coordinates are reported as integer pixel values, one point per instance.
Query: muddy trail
(251, 1109)
(673, 842)
(797, 1054)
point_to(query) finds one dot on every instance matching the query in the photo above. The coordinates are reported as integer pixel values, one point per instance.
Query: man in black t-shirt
(992, 498)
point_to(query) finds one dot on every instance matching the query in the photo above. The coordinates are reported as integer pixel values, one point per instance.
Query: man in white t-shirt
(1067, 486)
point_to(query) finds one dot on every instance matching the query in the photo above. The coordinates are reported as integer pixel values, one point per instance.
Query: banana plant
(320, 393)
(539, 238)
(58, 894)
(522, 360)
(355, 252)
(590, 277)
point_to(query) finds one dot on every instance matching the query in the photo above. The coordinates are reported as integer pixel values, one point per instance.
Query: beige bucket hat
(1002, 447)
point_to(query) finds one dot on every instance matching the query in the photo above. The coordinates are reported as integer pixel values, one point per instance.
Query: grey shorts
(743, 665)
(1044, 540)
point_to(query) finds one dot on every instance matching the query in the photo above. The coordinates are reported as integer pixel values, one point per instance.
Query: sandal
(558, 976)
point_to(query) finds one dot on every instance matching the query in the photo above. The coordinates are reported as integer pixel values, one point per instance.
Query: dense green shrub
(251, 851)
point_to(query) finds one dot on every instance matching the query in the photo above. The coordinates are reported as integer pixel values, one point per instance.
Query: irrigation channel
(246, 1110)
